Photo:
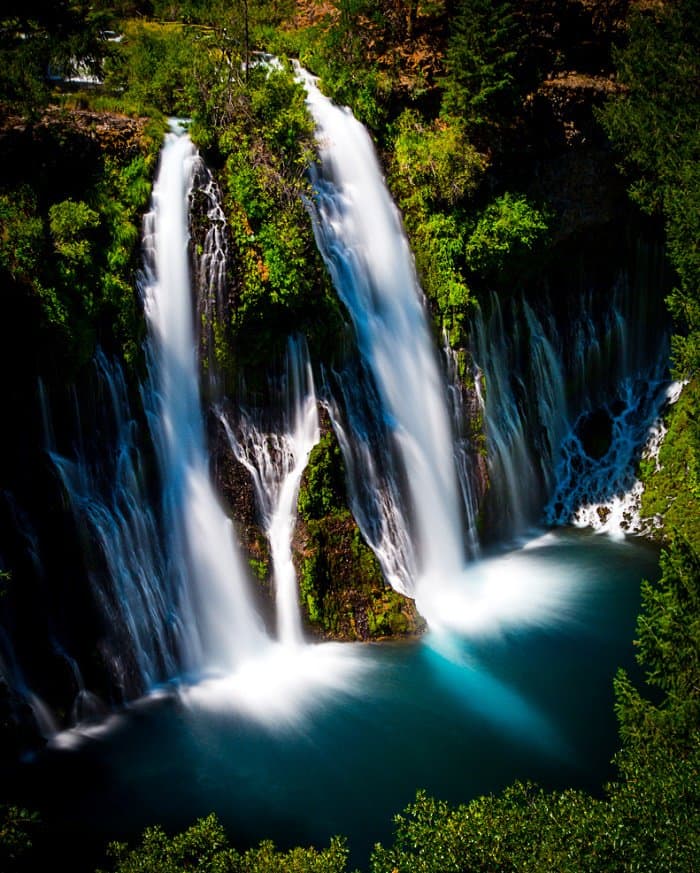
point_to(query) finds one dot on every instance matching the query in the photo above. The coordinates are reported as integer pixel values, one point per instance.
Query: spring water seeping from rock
(569, 406)
(205, 567)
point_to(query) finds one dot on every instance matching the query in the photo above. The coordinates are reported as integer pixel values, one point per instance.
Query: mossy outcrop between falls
(341, 587)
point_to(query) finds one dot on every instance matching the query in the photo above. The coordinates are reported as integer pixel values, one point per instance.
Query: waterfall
(568, 409)
(105, 487)
(466, 453)
(210, 267)
(205, 567)
(167, 575)
(276, 462)
(359, 233)
(524, 412)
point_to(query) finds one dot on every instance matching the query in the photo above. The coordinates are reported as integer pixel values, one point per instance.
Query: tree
(37, 36)
(480, 85)
(654, 121)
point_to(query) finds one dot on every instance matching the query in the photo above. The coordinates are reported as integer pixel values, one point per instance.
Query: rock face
(109, 132)
(236, 487)
(574, 169)
(342, 590)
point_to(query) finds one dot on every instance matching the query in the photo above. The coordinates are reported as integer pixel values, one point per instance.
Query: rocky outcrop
(110, 132)
(342, 590)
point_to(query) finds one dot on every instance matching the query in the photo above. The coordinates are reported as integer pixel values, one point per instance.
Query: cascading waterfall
(567, 417)
(359, 233)
(276, 462)
(171, 584)
(109, 500)
(210, 267)
(205, 567)
(375, 491)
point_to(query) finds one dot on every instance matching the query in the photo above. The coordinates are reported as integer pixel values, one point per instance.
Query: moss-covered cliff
(342, 590)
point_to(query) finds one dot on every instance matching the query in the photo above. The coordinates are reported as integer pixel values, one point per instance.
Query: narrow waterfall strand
(276, 462)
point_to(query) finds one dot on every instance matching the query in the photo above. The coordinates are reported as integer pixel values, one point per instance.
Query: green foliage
(672, 482)
(259, 568)
(75, 257)
(507, 235)
(655, 124)
(657, 800)
(323, 487)
(153, 68)
(204, 847)
(435, 170)
(264, 139)
(21, 234)
(16, 827)
(308, 588)
(37, 39)
(434, 162)
(439, 252)
(72, 223)
(522, 829)
(481, 85)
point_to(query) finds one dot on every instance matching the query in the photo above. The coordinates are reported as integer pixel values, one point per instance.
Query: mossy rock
(342, 591)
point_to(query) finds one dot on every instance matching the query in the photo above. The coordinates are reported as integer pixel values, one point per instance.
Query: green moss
(323, 487)
(342, 589)
(672, 485)
(260, 568)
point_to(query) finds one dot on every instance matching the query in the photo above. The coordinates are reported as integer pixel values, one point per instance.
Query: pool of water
(337, 738)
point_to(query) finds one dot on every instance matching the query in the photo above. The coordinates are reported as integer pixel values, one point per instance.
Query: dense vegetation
(447, 88)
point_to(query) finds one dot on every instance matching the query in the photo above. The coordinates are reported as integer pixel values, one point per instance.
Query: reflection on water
(319, 740)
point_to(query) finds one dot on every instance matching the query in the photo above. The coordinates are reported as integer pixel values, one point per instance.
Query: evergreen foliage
(481, 86)
(204, 848)
(655, 124)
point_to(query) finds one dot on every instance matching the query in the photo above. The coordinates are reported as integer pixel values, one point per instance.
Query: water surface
(335, 739)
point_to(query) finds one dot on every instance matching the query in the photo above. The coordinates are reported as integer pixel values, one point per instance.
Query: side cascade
(107, 494)
(359, 233)
(569, 411)
(276, 462)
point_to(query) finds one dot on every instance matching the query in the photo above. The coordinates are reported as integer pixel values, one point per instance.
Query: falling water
(210, 262)
(359, 233)
(467, 454)
(205, 567)
(524, 412)
(108, 497)
(545, 391)
(276, 462)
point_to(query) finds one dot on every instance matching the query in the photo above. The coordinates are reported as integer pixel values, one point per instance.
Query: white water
(221, 627)
(604, 493)
(359, 234)
(276, 462)
(210, 267)
(541, 388)
(105, 487)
